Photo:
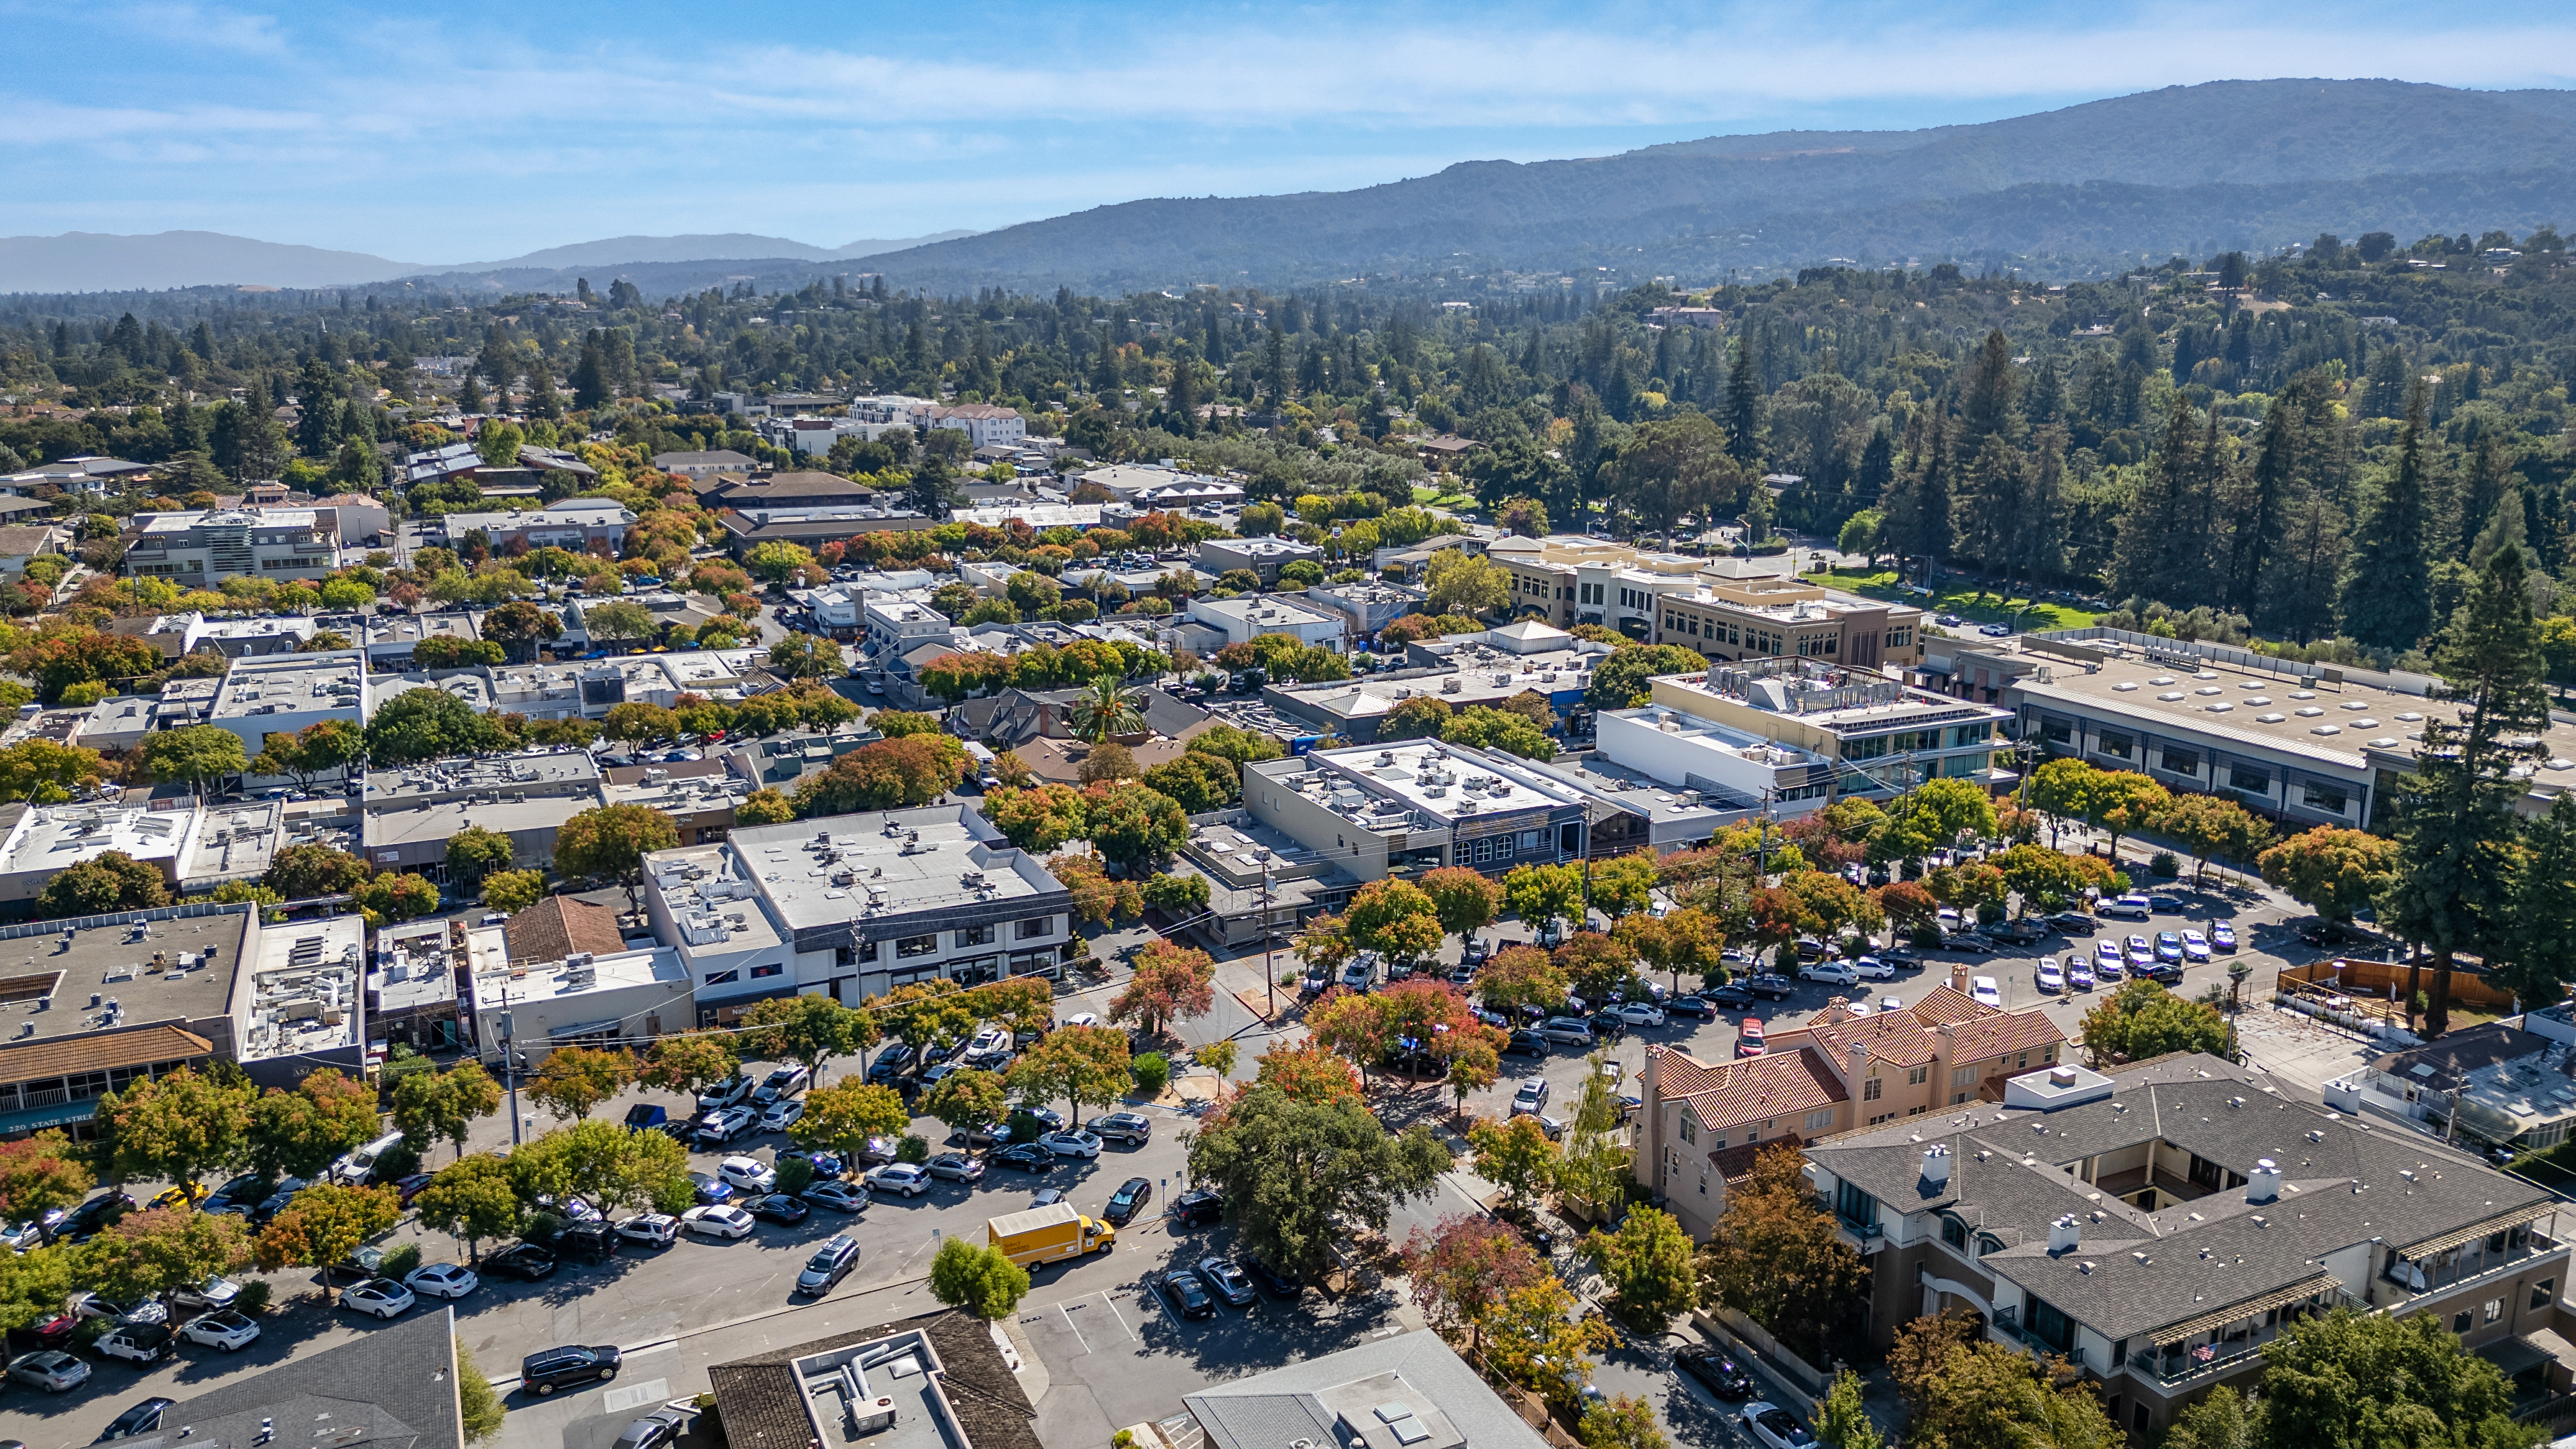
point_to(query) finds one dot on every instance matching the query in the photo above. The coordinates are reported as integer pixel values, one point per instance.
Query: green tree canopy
(1299, 1177)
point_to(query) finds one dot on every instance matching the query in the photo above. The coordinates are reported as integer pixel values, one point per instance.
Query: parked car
(441, 1280)
(1693, 1007)
(2195, 947)
(549, 1369)
(1127, 1127)
(1527, 1044)
(778, 1207)
(1901, 958)
(1271, 1280)
(906, 1178)
(840, 1197)
(1776, 987)
(710, 1188)
(1568, 1030)
(50, 1369)
(891, 1063)
(781, 1084)
(1715, 1371)
(213, 1293)
(781, 1115)
(1197, 1208)
(1733, 996)
(382, 1297)
(1227, 1281)
(724, 1125)
(730, 1092)
(2140, 954)
(655, 1430)
(2169, 947)
(142, 1343)
(2051, 978)
(1187, 1295)
(143, 1418)
(955, 1167)
(1638, 1013)
(2164, 905)
(653, 1230)
(526, 1262)
(2222, 936)
(2079, 973)
(1129, 1200)
(223, 1329)
(1748, 1038)
(1531, 1096)
(95, 1216)
(1773, 1427)
(1076, 1143)
(1870, 968)
(747, 1174)
(830, 1264)
(717, 1222)
(1985, 992)
(1026, 1156)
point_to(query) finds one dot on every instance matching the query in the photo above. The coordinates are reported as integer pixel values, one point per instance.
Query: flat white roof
(305, 987)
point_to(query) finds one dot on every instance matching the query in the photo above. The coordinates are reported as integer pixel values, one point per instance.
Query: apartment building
(2158, 1225)
(198, 550)
(1845, 1067)
(1856, 732)
(855, 905)
(987, 424)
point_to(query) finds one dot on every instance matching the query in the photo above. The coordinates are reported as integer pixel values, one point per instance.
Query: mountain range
(2080, 190)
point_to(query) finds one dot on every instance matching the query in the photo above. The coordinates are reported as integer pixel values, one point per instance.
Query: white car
(2195, 946)
(441, 1280)
(1887, 1004)
(222, 1329)
(725, 1124)
(1083, 1018)
(1870, 968)
(1073, 1143)
(1984, 991)
(658, 1230)
(2140, 953)
(717, 1222)
(1832, 973)
(903, 1177)
(382, 1297)
(1639, 1013)
(782, 1115)
(1772, 1427)
(747, 1174)
(991, 1044)
(2051, 979)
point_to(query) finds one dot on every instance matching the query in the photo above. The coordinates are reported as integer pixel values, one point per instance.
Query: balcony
(2183, 1363)
(2468, 1270)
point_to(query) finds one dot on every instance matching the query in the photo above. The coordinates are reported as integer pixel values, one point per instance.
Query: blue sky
(466, 131)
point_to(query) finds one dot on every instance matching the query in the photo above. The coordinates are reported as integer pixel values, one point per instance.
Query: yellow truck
(1049, 1235)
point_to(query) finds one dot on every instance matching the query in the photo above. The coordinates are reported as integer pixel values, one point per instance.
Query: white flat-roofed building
(43, 841)
(1402, 810)
(233, 842)
(988, 424)
(1862, 732)
(897, 626)
(2312, 744)
(307, 1001)
(408, 815)
(117, 723)
(284, 693)
(589, 1000)
(1462, 676)
(575, 524)
(198, 549)
(855, 905)
(1689, 755)
(473, 686)
(1241, 620)
(391, 640)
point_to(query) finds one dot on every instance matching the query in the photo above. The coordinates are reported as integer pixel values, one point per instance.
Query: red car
(1748, 1038)
(409, 1187)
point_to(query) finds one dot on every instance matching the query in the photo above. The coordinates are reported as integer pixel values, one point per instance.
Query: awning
(2250, 1308)
(37, 1119)
(2472, 1233)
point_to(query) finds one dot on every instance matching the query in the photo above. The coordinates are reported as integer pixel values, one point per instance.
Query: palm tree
(1107, 709)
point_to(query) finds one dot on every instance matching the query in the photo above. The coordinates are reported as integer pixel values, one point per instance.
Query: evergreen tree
(2387, 385)
(1877, 469)
(1744, 406)
(2387, 603)
(2456, 812)
(591, 385)
(469, 398)
(2047, 394)
(2141, 560)
(1918, 509)
(543, 400)
(1991, 505)
(1987, 410)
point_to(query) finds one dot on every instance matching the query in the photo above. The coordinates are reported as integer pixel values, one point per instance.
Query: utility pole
(1269, 943)
(510, 1065)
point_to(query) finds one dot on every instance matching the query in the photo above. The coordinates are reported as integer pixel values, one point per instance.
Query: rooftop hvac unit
(1450, 685)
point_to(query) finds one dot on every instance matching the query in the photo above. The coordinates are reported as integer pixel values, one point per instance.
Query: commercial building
(259, 697)
(1405, 1391)
(2157, 1226)
(2494, 1083)
(1368, 607)
(813, 528)
(704, 464)
(2309, 744)
(697, 796)
(1462, 671)
(789, 492)
(1416, 807)
(1213, 624)
(394, 1388)
(416, 985)
(1815, 730)
(1262, 556)
(1845, 1067)
(108, 1000)
(408, 815)
(578, 524)
(855, 905)
(1716, 607)
(526, 1009)
(935, 1382)
(199, 549)
(391, 640)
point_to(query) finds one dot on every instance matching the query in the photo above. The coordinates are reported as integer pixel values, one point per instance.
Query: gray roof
(2013, 1173)
(2449, 1058)
(1275, 1409)
(396, 1386)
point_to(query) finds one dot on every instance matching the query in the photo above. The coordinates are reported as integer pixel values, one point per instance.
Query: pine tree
(2387, 381)
(2139, 568)
(1991, 505)
(1877, 469)
(1744, 406)
(591, 387)
(543, 400)
(469, 398)
(1918, 508)
(1987, 410)
(2506, 526)
(2387, 603)
(2453, 816)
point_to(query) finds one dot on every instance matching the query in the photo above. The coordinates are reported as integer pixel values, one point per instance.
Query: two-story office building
(1854, 732)
(199, 550)
(855, 905)
(577, 524)
(409, 815)
(2158, 1225)
(1261, 556)
(280, 694)
(1406, 809)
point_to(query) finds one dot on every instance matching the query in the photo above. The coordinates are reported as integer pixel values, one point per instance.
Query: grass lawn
(1965, 602)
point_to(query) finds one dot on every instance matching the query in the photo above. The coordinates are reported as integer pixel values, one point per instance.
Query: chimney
(2265, 1184)
(1936, 1165)
(2064, 1234)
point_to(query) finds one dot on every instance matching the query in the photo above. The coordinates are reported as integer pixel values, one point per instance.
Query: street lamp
(2237, 971)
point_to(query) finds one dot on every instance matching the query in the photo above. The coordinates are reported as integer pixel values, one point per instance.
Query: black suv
(890, 1063)
(524, 1261)
(549, 1369)
(1197, 1208)
(1526, 1044)
(92, 1217)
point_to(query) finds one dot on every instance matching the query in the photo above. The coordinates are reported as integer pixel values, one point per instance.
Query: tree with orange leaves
(1171, 983)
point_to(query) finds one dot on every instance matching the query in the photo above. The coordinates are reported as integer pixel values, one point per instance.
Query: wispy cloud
(455, 131)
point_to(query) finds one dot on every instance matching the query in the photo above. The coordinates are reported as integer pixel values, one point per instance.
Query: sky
(473, 131)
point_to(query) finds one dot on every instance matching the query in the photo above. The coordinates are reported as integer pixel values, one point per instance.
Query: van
(358, 1168)
(2126, 908)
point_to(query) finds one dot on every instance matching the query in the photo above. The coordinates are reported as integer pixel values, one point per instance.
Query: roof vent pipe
(2265, 1183)
(2064, 1234)
(1936, 1165)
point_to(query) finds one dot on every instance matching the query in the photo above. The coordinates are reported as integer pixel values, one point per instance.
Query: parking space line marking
(1121, 1317)
(1077, 1333)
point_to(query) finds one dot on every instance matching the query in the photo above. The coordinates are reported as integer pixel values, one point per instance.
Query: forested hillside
(2311, 448)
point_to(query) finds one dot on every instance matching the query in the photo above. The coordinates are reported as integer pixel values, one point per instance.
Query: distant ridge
(728, 246)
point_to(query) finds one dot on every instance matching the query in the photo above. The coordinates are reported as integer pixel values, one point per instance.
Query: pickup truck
(1049, 1234)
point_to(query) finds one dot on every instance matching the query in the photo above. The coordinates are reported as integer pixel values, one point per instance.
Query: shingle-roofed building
(2158, 1226)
